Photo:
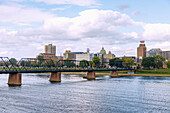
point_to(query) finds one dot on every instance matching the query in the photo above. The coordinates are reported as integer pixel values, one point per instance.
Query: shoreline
(120, 74)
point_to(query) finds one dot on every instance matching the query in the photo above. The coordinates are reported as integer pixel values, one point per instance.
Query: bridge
(27, 65)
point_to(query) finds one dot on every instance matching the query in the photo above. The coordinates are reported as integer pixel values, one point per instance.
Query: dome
(102, 51)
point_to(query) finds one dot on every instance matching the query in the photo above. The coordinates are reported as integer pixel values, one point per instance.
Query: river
(77, 95)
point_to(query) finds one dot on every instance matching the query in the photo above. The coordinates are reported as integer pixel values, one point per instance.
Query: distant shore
(82, 73)
(120, 74)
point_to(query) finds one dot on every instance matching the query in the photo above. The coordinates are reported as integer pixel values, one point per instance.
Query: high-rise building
(141, 51)
(153, 51)
(50, 49)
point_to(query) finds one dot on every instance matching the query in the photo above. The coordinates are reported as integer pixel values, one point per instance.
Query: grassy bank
(154, 71)
(83, 73)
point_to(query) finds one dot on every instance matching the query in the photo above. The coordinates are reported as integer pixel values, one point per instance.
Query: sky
(117, 25)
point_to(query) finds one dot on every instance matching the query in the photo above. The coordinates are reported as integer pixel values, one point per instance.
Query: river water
(77, 95)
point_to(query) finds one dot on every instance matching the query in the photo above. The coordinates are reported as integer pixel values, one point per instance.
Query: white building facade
(84, 56)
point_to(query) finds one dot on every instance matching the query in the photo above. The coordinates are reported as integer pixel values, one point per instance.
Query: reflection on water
(75, 94)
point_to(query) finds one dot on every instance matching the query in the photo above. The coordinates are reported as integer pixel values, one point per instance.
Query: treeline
(154, 62)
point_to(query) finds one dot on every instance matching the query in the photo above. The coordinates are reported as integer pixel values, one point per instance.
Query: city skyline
(118, 26)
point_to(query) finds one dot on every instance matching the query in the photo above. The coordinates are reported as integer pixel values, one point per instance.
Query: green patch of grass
(154, 71)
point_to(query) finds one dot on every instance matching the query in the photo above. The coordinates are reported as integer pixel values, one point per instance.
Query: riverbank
(82, 73)
(120, 74)
(146, 75)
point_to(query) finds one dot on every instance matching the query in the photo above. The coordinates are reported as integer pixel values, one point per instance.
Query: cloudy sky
(117, 25)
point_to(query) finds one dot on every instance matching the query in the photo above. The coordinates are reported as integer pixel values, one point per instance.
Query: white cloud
(89, 24)
(60, 8)
(132, 34)
(156, 32)
(165, 46)
(90, 29)
(73, 2)
(20, 14)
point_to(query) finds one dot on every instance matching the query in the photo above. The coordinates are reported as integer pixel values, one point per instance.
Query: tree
(33, 64)
(148, 62)
(84, 63)
(90, 63)
(103, 60)
(158, 61)
(112, 62)
(128, 62)
(69, 63)
(2, 64)
(22, 63)
(168, 64)
(57, 63)
(25, 63)
(49, 63)
(116, 62)
(96, 61)
(40, 60)
(13, 61)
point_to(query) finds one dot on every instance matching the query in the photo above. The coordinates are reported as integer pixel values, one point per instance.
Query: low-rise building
(109, 56)
(104, 56)
(48, 56)
(165, 54)
(153, 51)
(70, 55)
(84, 56)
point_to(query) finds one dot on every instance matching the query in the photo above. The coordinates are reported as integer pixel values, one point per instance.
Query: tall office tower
(141, 51)
(50, 49)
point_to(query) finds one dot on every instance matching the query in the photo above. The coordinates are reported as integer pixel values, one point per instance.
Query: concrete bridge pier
(91, 75)
(55, 77)
(113, 74)
(15, 79)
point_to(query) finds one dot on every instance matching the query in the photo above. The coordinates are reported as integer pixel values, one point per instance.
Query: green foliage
(2, 64)
(69, 63)
(148, 62)
(103, 60)
(112, 62)
(158, 61)
(96, 61)
(90, 63)
(57, 63)
(49, 63)
(116, 62)
(168, 64)
(128, 62)
(25, 63)
(40, 60)
(83, 63)
(40, 57)
(33, 64)
(13, 61)
(154, 71)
